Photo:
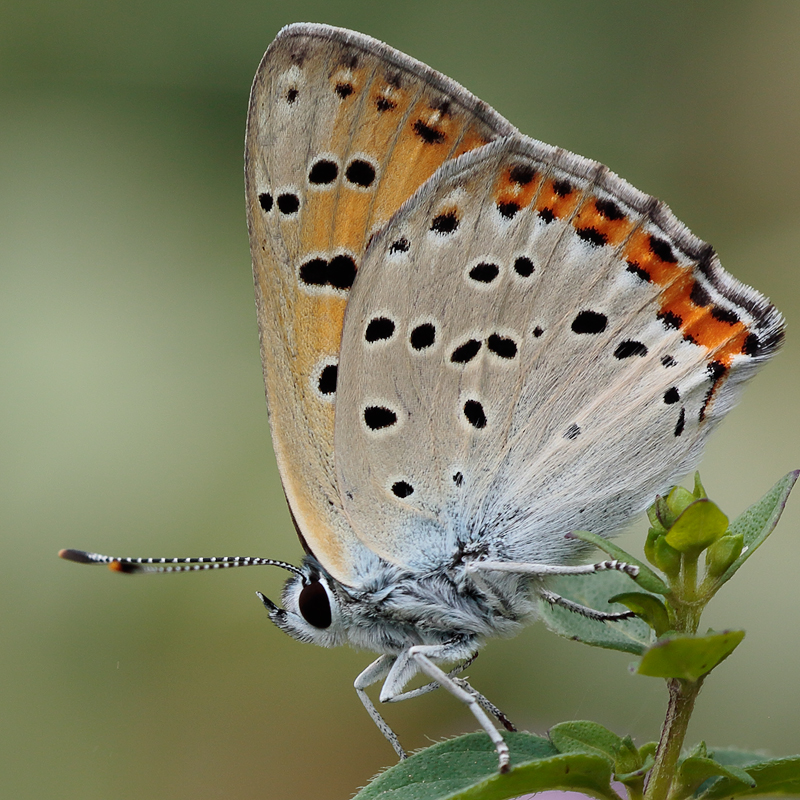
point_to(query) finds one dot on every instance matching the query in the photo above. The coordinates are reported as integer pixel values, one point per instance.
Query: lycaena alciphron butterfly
(473, 344)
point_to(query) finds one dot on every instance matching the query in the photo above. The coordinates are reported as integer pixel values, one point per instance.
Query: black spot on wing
(444, 224)
(523, 266)
(522, 174)
(475, 414)
(360, 172)
(502, 346)
(323, 172)
(327, 379)
(591, 322)
(288, 203)
(342, 272)
(508, 210)
(484, 272)
(681, 422)
(379, 329)
(630, 348)
(609, 209)
(344, 90)
(662, 249)
(640, 273)
(464, 353)
(427, 133)
(379, 417)
(592, 236)
(402, 489)
(423, 336)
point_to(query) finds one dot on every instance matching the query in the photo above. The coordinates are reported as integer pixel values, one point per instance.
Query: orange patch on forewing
(470, 140)
(318, 322)
(425, 142)
(507, 190)
(614, 231)
(317, 214)
(347, 83)
(350, 220)
(377, 129)
(560, 205)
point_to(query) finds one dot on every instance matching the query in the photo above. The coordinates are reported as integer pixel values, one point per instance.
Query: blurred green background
(133, 419)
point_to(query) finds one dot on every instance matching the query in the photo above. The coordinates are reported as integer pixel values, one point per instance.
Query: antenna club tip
(123, 567)
(78, 556)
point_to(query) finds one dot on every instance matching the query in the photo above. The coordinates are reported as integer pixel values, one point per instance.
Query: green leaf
(733, 756)
(758, 521)
(629, 636)
(723, 553)
(647, 579)
(700, 525)
(646, 606)
(582, 736)
(688, 657)
(777, 776)
(465, 768)
(696, 770)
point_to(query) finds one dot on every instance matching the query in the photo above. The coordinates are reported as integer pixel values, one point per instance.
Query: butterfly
(473, 344)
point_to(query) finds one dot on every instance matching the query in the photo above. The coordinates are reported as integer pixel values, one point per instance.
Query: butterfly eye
(314, 605)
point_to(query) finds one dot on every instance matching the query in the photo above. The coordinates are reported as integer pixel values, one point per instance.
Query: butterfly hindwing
(550, 350)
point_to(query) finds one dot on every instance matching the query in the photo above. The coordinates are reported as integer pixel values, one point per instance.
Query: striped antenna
(138, 565)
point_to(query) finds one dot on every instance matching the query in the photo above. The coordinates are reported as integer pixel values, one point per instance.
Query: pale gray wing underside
(532, 347)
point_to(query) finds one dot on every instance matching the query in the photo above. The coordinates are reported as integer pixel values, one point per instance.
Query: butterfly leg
(487, 704)
(419, 658)
(377, 671)
(590, 613)
(545, 570)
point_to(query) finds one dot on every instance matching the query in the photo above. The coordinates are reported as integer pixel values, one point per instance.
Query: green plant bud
(627, 757)
(700, 492)
(699, 526)
(678, 500)
(659, 514)
(723, 553)
(650, 544)
(652, 513)
(666, 558)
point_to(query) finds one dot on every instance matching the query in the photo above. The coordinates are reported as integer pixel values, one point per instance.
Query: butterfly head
(312, 610)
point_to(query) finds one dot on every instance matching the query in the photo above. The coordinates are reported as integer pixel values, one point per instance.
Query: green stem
(682, 696)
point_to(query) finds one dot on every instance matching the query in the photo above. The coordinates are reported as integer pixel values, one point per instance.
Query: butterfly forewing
(553, 331)
(341, 131)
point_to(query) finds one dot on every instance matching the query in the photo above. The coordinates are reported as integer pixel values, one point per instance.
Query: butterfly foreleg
(547, 570)
(421, 656)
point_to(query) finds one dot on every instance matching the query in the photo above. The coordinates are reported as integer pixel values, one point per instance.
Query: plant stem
(682, 696)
